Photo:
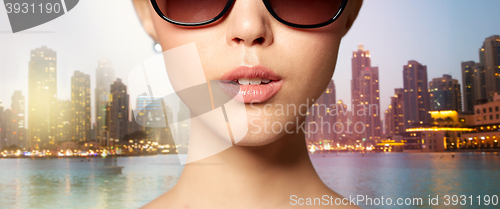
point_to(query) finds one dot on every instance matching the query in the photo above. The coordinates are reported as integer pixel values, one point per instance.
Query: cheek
(313, 62)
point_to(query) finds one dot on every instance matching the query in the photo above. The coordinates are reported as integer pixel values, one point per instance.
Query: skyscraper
(10, 127)
(370, 100)
(365, 96)
(105, 75)
(183, 129)
(319, 114)
(151, 119)
(469, 85)
(360, 61)
(445, 94)
(18, 106)
(42, 94)
(416, 96)
(2, 126)
(80, 100)
(118, 112)
(394, 118)
(64, 128)
(489, 56)
(343, 118)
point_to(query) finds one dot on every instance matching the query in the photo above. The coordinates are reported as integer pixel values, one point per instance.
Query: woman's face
(303, 59)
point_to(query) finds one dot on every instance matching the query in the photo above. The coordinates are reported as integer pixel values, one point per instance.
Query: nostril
(237, 40)
(259, 40)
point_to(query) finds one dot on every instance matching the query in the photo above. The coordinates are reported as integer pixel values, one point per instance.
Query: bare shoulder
(166, 200)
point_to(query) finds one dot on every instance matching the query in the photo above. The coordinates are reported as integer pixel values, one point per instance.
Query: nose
(249, 24)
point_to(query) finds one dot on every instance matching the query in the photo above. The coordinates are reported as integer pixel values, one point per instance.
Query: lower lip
(257, 93)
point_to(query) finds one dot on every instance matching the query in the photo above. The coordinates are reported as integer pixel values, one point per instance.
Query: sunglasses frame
(266, 3)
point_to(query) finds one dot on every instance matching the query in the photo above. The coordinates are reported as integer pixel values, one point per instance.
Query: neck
(251, 175)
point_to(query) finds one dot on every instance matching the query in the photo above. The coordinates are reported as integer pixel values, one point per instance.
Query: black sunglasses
(294, 13)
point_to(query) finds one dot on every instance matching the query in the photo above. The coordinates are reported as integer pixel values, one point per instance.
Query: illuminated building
(42, 97)
(10, 129)
(370, 99)
(343, 119)
(105, 75)
(64, 128)
(183, 129)
(2, 125)
(434, 141)
(151, 119)
(437, 139)
(451, 118)
(365, 95)
(394, 118)
(388, 128)
(489, 58)
(488, 113)
(80, 100)
(18, 111)
(445, 94)
(473, 87)
(486, 126)
(416, 96)
(394, 144)
(118, 112)
(360, 61)
(319, 114)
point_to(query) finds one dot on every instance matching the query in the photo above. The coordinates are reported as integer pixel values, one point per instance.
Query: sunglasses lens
(306, 12)
(191, 11)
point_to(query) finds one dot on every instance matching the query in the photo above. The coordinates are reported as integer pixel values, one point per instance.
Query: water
(71, 183)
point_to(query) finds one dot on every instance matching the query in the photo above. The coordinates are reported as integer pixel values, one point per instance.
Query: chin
(255, 140)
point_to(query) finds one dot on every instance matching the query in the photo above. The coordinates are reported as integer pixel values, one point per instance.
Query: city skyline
(440, 43)
(416, 101)
(365, 90)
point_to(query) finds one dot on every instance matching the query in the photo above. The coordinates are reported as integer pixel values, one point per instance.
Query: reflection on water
(402, 175)
(76, 183)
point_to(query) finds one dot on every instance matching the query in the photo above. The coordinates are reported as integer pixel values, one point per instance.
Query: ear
(143, 10)
(353, 10)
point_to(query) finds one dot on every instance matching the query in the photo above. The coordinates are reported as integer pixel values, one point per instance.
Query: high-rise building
(365, 96)
(183, 128)
(10, 127)
(394, 117)
(343, 118)
(319, 114)
(370, 101)
(416, 96)
(118, 112)
(18, 109)
(2, 125)
(42, 94)
(388, 128)
(489, 56)
(105, 76)
(360, 61)
(64, 128)
(80, 100)
(469, 85)
(151, 119)
(445, 94)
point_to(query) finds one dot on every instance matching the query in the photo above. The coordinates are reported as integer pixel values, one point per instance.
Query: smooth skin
(265, 168)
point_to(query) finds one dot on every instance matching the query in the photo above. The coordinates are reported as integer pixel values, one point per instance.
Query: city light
(439, 129)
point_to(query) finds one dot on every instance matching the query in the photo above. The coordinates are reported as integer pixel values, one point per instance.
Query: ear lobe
(142, 8)
(353, 9)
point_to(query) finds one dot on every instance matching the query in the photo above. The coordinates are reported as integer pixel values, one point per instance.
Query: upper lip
(257, 71)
